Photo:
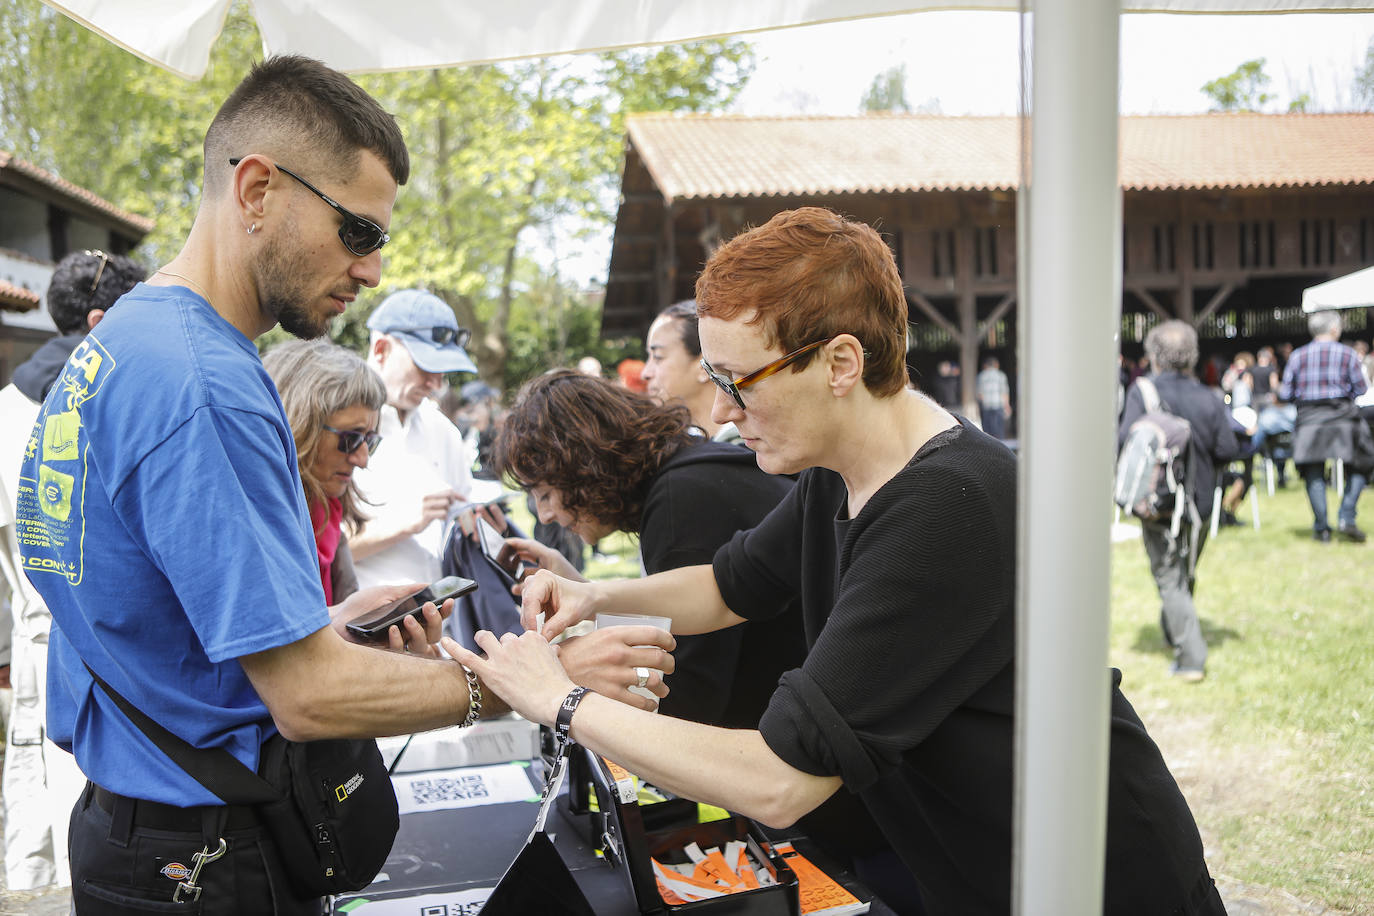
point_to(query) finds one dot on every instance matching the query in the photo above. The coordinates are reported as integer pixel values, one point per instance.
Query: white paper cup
(636, 620)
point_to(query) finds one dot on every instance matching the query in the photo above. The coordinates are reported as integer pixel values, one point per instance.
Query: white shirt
(424, 454)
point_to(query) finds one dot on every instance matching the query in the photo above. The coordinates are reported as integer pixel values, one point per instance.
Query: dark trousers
(1170, 565)
(127, 857)
(994, 421)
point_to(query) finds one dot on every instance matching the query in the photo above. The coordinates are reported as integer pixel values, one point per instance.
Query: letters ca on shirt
(51, 522)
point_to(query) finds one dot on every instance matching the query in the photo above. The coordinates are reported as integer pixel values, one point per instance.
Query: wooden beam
(635, 238)
(968, 317)
(929, 310)
(996, 314)
(1144, 296)
(1214, 303)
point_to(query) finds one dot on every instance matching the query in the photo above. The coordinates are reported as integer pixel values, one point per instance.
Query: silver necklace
(192, 283)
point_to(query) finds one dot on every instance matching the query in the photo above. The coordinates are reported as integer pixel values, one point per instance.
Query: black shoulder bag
(328, 805)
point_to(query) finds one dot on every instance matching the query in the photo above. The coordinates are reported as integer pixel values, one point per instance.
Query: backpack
(1151, 471)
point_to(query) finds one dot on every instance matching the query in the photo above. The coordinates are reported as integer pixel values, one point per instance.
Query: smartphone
(374, 626)
(498, 551)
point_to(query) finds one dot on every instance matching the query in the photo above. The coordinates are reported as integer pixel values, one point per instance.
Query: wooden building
(1226, 217)
(43, 218)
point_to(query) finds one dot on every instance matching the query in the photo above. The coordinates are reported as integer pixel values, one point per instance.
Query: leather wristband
(562, 727)
(474, 698)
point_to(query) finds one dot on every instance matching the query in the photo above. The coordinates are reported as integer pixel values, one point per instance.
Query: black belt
(169, 817)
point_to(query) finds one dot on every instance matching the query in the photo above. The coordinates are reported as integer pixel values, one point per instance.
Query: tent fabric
(362, 36)
(1352, 291)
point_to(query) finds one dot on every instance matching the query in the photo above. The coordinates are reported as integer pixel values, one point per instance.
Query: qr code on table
(448, 789)
(455, 909)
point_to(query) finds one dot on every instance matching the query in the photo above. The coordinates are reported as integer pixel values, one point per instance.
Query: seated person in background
(332, 400)
(1263, 379)
(1236, 483)
(673, 370)
(899, 540)
(1237, 381)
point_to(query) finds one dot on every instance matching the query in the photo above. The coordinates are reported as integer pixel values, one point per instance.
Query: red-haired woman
(900, 541)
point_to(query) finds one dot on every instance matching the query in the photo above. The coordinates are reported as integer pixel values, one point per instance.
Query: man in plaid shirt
(994, 398)
(1323, 379)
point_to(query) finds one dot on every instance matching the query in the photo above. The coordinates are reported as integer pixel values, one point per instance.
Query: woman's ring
(643, 674)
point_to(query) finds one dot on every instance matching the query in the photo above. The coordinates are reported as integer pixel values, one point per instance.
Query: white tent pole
(1070, 226)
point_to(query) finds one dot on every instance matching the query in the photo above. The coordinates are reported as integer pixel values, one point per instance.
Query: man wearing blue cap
(426, 467)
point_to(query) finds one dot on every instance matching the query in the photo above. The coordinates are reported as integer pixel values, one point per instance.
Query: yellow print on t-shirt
(51, 499)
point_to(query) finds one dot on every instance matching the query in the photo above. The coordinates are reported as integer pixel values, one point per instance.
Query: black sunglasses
(350, 440)
(360, 235)
(440, 335)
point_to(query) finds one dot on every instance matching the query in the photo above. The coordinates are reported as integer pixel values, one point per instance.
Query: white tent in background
(1069, 252)
(1352, 291)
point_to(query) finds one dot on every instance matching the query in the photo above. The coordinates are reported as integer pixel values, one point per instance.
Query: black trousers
(127, 857)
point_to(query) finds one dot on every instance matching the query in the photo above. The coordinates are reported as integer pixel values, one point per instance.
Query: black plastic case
(628, 834)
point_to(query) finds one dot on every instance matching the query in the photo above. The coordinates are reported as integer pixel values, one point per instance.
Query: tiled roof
(138, 224)
(16, 298)
(705, 156)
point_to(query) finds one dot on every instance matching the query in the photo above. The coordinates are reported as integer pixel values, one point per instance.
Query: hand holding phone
(373, 627)
(498, 551)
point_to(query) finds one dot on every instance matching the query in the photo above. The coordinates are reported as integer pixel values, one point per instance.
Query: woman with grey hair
(332, 400)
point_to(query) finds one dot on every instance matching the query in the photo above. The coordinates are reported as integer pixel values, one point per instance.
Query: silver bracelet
(474, 698)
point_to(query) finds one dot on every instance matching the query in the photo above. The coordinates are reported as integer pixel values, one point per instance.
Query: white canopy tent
(1352, 291)
(1069, 244)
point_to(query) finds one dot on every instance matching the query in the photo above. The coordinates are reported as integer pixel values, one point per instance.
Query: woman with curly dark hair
(599, 458)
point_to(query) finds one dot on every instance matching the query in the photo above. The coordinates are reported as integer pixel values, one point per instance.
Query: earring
(251, 227)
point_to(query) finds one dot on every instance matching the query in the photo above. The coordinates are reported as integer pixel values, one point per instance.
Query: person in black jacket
(1173, 352)
(899, 539)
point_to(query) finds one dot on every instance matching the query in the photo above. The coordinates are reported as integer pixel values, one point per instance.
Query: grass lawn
(1274, 748)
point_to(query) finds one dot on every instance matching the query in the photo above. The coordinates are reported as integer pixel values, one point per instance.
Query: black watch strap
(563, 725)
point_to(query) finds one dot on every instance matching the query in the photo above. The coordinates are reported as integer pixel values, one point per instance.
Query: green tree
(1364, 81)
(500, 153)
(77, 105)
(887, 92)
(1242, 89)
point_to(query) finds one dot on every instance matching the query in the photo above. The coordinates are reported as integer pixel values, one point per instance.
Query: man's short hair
(809, 274)
(1327, 321)
(685, 314)
(84, 281)
(1172, 347)
(297, 109)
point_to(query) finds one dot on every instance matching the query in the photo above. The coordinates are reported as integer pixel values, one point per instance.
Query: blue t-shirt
(162, 518)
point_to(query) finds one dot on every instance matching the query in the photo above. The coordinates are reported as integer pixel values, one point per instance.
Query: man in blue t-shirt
(161, 514)
(162, 517)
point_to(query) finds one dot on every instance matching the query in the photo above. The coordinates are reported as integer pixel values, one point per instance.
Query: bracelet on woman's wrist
(562, 727)
(474, 698)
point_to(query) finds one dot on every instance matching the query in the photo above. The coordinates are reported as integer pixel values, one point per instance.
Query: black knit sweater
(908, 690)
